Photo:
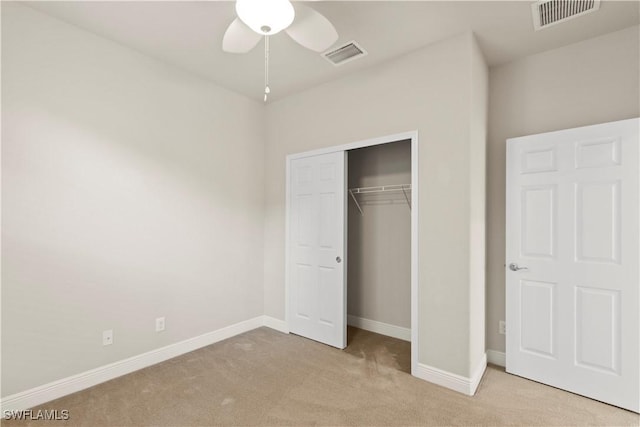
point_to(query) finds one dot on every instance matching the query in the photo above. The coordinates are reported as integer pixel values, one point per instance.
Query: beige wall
(590, 82)
(130, 190)
(379, 243)
(429, 90)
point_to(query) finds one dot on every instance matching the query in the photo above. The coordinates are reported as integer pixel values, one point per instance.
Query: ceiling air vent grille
(551, 12)
(345, 53)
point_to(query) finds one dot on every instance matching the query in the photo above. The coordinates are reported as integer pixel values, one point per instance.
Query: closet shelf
(378, 190)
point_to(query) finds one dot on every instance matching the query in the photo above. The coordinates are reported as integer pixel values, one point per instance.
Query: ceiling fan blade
(311, 29)
(239, 38)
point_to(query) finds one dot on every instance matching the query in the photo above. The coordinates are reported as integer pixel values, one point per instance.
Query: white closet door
(573, 229)
(316, 264)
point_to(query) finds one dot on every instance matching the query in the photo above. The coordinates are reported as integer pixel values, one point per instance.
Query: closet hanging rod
(379, 189)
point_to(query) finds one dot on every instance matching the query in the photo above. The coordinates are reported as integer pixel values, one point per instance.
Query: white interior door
(317, 248)
(572, 278)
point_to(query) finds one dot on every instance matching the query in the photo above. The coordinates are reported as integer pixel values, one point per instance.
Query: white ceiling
(188, 34)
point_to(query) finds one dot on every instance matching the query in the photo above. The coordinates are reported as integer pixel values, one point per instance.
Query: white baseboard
(380, 328)
(452, 381)
(497, 358)
(56, 389)
(277, 324)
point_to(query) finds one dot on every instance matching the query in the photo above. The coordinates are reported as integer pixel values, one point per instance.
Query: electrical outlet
(107, 337)
(502, 327)
(160, 324)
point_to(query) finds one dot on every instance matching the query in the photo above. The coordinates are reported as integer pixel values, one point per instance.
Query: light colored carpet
(265, 378)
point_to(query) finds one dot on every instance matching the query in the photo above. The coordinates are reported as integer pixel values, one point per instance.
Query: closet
(351, 247)
(379, 239)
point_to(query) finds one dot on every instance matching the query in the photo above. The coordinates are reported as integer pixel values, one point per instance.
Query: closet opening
(379, 254)
(351, 252)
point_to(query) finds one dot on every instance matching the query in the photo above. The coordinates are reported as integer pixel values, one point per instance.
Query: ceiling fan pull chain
(267, 90)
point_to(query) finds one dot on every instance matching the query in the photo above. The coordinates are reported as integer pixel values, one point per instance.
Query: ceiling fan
(264, 18)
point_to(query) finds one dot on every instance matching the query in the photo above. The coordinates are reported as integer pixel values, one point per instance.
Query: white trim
(415, 234)
(277, 324)
(56, 389)
(345, 239)
(415, 203)
(452, 381)
(412, 135)
(287, 234)
(497, 358)
(380, 327)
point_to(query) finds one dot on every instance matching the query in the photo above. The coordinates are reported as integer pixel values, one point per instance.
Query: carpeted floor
(265, 378)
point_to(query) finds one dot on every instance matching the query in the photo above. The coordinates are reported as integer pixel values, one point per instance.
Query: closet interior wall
(379, 238)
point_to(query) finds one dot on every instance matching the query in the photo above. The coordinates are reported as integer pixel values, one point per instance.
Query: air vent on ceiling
(551, 12)
(345, 53)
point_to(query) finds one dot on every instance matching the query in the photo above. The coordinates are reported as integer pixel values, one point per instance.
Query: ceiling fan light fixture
(266, 17)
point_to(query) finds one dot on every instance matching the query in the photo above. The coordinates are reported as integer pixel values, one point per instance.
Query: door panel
(573, 230)
(536, 160)
(316, 215)
(596, 154)
(598, 221)
(536, 317)
(598, 327)
(538, 221)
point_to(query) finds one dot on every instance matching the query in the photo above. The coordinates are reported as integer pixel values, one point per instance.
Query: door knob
(514, 267)
(338, 259)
